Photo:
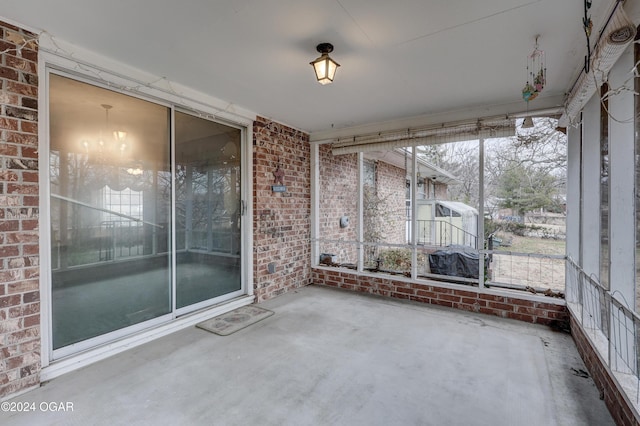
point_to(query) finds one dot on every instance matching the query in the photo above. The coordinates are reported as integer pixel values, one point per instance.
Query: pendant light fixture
(325, 67)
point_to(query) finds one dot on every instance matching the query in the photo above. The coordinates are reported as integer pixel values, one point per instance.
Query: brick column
(19, 238)
(281, 220)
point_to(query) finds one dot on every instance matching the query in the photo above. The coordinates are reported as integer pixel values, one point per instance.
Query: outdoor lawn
(534, 272)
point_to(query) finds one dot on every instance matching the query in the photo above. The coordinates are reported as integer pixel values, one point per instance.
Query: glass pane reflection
(110, 210)
(207, 209)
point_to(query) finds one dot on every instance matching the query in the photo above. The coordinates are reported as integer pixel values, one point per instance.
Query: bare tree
(528, 168)
(461, 160)
(528, 171)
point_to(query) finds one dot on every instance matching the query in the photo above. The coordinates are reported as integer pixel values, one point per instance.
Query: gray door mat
(235, 320)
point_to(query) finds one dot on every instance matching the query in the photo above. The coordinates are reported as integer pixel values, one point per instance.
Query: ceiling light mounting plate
(324, 48)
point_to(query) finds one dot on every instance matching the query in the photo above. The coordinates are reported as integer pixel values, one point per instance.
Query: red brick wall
(338, 193)
(618, 406)
(281, 227)
(464, 299)
(441, 191)
(391, 186)
(19, 241)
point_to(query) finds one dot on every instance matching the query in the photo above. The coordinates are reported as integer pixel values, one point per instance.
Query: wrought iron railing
(217, 240)
(108, 241)
(442, 233)
(533, 272)
(610, 323)
(130, 237)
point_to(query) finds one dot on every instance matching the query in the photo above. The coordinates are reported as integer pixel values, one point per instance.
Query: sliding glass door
(208, 209)
(116, 267)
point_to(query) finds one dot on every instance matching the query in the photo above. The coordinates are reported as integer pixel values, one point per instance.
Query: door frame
(243, 259)
(132, 82)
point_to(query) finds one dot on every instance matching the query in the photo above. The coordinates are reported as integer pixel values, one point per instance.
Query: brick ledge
(527, 308)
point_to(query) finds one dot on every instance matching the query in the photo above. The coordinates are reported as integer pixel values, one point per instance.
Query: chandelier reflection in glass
(110, 154)
(109, 145)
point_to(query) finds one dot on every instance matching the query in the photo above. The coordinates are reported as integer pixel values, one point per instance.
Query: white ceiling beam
(548, 105)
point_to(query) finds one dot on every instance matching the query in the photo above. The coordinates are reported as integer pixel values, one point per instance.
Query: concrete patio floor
(331, 357)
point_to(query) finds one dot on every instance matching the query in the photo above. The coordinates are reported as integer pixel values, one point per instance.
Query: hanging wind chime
(536, 74)
(536, 79)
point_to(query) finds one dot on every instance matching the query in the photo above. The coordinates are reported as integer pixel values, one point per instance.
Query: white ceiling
(399, 59)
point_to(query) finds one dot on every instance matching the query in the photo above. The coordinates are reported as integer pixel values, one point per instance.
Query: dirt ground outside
(522, 263)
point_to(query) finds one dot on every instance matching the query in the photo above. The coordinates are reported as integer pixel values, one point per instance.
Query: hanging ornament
(536, 74)
(529, 92)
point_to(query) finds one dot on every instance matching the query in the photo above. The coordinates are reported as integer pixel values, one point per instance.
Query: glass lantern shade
(325, 68)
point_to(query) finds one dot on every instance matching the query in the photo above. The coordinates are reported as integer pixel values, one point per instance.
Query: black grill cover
(455, 261)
